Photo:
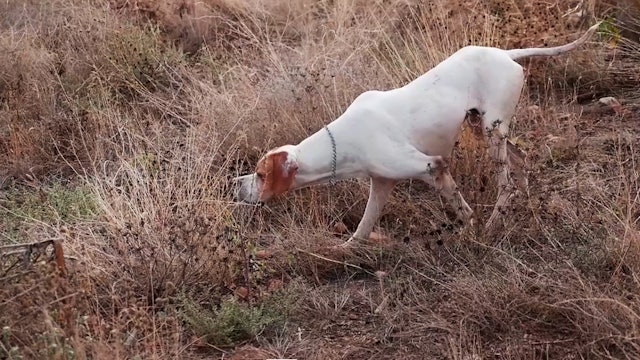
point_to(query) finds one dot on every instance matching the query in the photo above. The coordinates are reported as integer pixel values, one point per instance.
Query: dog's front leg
(378, 195)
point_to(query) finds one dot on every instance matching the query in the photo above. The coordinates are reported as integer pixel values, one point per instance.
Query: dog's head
(274, 175)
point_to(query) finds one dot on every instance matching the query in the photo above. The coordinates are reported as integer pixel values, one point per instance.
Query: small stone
(263, 254)
(379, 238)
(340, 228)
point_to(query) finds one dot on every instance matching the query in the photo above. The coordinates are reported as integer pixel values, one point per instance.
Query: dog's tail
(516, 54)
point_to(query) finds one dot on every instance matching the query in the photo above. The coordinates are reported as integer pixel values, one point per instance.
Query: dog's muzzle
(246, 190)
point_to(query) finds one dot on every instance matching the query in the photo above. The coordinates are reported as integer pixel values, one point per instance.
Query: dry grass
(126, 119)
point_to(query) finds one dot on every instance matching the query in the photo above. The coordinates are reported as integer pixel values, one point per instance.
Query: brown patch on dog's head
(276, 173)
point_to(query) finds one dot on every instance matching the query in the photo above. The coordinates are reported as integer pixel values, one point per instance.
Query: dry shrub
(156, 105)
(64, 63)
(237, 27)
(67, 320)
(27, 90)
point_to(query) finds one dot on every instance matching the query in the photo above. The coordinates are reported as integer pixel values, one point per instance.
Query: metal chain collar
(334, 157)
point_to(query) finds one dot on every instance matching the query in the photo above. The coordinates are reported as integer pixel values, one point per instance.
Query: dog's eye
(260, 176)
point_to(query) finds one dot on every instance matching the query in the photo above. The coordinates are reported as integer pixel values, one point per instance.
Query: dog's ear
(279, 171)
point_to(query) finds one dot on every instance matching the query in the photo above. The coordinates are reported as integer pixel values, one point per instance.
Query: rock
(613, 103)
(263, 254)
(380, 274)
(379, 238)
(340, 228)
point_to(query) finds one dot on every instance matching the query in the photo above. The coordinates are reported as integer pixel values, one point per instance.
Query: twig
(27, 249)
(217, 348)
(23, 247)
(335, 261)
(64, 298)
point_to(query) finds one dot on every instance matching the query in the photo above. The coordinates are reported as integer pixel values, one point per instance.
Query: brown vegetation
(121, 123)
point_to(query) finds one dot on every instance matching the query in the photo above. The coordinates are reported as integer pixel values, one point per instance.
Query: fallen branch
(26, 250)
(335, 261)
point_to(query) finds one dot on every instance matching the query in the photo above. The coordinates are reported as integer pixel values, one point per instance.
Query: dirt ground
(122, 123)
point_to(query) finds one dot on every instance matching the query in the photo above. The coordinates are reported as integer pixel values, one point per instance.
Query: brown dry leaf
(275, 285)
(242, 292)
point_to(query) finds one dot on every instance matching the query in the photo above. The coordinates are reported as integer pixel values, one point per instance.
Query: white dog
(407, 133)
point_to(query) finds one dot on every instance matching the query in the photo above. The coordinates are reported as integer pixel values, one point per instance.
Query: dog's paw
(463, 211)
(346, 244)
(493, 220)
(470, 219)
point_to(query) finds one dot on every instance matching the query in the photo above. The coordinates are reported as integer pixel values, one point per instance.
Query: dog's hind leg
(433, 170)
(496, 121)
(497, 141)
(444, 183)
(404, 163)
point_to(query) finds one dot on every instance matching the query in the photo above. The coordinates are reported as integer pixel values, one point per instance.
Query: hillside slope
(121, 123)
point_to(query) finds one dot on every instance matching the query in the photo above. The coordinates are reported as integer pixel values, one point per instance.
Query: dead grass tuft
(126, 120)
